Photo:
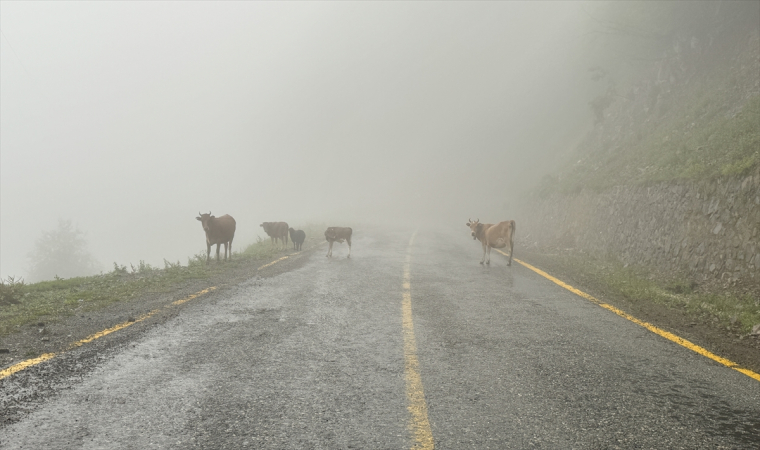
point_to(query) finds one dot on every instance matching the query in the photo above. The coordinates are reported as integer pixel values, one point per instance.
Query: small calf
(338, 234)
(297, 236)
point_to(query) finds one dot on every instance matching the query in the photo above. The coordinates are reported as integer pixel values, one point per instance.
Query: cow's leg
(484, 253)
(329, 249)
(488, 261)
(208, 251)
(225, 250)
(349, 247)
(511, 250)
(217, 252)
(230, 249)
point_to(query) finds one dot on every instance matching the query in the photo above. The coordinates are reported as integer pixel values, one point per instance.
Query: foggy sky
(130, 118)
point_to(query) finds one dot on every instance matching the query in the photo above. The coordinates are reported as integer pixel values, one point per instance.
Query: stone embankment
(707, 230)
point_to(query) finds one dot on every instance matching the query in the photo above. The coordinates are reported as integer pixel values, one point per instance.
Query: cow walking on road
(219, 230)
(297, 237)
(276, 230)
(493, 236)
(338, 234)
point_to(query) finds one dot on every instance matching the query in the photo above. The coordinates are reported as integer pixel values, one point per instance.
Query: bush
(11, 291)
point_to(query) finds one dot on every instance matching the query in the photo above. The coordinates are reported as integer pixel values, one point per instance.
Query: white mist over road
(129, 118)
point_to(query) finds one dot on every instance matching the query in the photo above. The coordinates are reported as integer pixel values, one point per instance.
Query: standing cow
(276, 230)
(219, 230)
(339, 234)
(297, 237)
(493, 236)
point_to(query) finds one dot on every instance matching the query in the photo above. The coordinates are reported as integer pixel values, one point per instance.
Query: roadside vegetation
(678, 96)
(700, 143)
(49, 301)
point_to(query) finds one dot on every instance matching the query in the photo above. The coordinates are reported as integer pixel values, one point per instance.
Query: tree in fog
(61, 252)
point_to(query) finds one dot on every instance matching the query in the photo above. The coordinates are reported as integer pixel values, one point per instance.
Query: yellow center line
(419, 425)
(42, 358)
(659, 331)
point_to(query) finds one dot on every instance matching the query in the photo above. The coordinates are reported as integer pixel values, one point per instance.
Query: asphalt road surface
(322, 357)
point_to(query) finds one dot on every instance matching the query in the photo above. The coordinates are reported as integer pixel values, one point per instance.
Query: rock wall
(709, 230)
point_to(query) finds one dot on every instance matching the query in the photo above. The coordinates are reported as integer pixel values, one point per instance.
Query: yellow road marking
(197, 294)
(276, 261)
(24, 364)
(34, 361)
(419, 425)
(667, 335)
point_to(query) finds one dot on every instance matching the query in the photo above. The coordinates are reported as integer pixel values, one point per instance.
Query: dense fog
(129, 118)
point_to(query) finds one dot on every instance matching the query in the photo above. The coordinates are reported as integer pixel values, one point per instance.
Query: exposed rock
(702, 228)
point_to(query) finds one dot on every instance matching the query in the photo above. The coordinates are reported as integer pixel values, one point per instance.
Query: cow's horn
(199, 214)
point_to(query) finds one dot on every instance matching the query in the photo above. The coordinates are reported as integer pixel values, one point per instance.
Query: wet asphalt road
(314, 358)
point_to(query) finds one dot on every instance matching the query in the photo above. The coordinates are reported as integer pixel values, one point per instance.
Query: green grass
(50, 301)
(674, 150)
(706, 128)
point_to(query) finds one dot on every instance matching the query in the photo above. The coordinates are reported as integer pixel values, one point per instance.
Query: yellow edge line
(667, 335)
(34, 361)
(276, 261)
(419, 425)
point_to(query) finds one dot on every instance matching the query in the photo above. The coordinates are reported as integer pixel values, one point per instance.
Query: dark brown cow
(338, 234)
(219, 230)
(297, 237)
(276, 230)
(494, 236)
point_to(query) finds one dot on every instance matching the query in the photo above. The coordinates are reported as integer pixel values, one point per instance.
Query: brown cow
(494, 236)
(219, 230)
(339, 234)
(276, 230)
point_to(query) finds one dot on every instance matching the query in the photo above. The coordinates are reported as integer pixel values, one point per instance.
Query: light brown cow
(494, 236)
(339, 234)
(276, 230)
(219, 230)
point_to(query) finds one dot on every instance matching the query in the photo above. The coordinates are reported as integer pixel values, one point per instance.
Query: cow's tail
(514, 227)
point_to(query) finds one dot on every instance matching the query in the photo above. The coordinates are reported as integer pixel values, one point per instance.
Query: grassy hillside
(695, 115)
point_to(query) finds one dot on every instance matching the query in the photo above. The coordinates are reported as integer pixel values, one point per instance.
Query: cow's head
(265, 226)
(204, 219)
(475, 227)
